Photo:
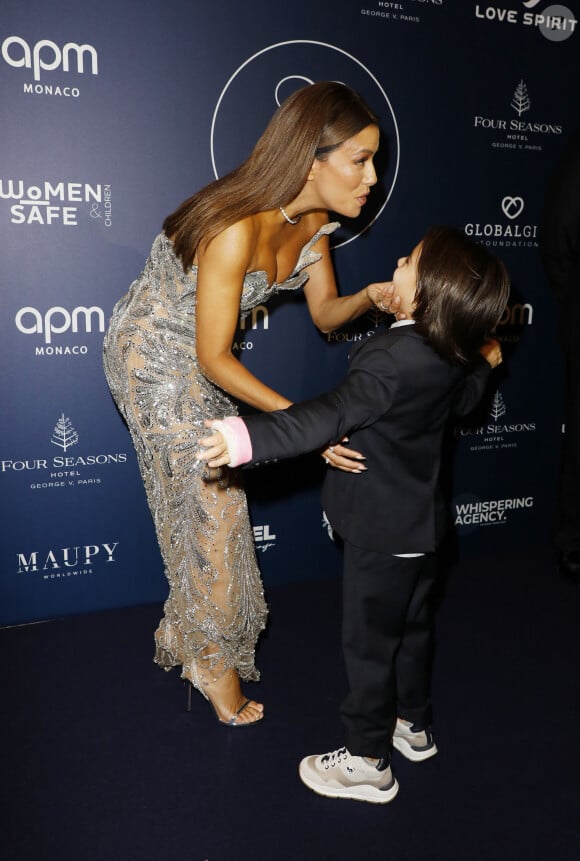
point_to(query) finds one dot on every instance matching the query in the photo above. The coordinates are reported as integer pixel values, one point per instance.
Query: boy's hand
(491, 352)
(216, 453)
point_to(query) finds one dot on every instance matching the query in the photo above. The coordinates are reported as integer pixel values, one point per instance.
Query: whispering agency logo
(267, 78)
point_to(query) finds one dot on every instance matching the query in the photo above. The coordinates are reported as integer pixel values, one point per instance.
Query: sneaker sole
(368, 793)
(411, 753)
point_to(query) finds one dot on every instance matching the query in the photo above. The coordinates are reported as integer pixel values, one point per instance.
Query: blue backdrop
(113, 113)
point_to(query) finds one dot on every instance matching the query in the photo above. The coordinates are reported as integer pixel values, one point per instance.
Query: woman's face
(405, 280)
(343, 181)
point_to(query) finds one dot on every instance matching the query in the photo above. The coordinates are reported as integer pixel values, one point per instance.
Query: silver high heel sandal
(232, 721)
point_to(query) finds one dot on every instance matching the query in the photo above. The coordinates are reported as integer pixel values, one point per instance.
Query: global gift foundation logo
(520, 132)
(499, 433)
(512, 232)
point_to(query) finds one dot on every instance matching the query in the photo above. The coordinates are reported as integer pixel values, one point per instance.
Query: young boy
(395, 402)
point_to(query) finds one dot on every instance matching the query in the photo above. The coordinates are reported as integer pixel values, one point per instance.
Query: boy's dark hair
(462, 291)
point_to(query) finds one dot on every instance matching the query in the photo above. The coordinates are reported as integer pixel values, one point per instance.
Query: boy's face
(405, 280)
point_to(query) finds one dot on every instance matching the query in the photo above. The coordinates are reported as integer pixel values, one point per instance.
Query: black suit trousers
(387, 645)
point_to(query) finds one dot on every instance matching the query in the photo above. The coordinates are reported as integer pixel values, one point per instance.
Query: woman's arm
(328, 310)
(222, 266)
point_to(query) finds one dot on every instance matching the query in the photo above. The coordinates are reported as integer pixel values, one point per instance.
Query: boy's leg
(412, 735)
(377, 591)
(413, 664)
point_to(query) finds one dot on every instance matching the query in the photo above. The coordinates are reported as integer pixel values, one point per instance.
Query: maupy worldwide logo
(48, 68)
(262, 82)
(498, 433)
(470, 512)
(63, 563)
(510, 231)
(56, 202)
(68, 467)
(555, 22)
(515, 125)
(60, 331)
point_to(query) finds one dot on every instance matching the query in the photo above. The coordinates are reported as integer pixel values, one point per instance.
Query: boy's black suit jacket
(393, 406)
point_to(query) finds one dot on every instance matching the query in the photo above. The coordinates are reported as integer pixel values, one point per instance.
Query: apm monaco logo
(257, 319)
(498, 433)
(400, 10)
(60, 321)
(264, 80)
(508, 234)
(555, 22)
(471, 512)
(264, 539)
(60, 202)
(46, 56)
(513, 320)
(66, 562)
(521, 132)
(62, 470)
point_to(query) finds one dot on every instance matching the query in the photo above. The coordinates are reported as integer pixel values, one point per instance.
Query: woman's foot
(229, 703)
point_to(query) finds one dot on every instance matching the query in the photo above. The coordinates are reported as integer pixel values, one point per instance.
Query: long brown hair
(462, 291)
(308, 125)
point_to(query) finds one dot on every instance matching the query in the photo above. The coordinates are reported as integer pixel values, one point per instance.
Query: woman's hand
(344, 458)
(382, 295)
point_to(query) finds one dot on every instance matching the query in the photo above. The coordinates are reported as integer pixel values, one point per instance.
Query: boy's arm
(471, 391)
(360, 399)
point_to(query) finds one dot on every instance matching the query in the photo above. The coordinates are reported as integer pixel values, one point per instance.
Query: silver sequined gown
(215, 609)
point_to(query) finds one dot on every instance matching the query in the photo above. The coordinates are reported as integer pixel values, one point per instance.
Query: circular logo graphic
(558, 24)
(261, 84)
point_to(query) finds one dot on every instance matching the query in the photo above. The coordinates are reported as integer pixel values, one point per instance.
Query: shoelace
(331, 760)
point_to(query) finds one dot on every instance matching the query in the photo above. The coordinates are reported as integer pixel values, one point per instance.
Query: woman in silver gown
(168, 359)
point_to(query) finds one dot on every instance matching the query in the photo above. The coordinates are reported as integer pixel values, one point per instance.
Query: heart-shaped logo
(512, 206)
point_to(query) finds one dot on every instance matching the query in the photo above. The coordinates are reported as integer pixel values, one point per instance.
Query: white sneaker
(341, 775)
(414, 743)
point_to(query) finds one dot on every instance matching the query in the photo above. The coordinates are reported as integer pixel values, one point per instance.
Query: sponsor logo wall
(94, 154)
